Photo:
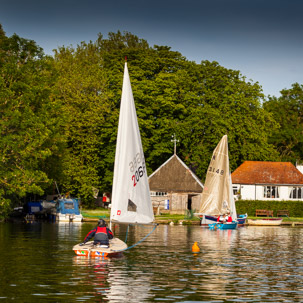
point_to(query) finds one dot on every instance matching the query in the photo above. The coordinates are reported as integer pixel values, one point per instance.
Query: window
(235, 190)
(296, 193)
(69, 205)
(271, 192)
(157, 194)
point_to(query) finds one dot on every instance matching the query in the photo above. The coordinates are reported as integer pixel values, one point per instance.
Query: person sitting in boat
(221, 218)
(229, 218)
(101, 235)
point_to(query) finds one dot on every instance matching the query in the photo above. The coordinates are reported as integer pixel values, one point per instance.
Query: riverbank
(95, 215)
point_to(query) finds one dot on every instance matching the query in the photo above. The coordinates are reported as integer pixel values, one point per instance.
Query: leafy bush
(295, 208)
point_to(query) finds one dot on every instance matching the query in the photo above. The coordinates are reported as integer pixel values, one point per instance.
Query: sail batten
(131, 195)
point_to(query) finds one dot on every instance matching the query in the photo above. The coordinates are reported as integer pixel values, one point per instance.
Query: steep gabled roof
(174, 175)
(258, 172)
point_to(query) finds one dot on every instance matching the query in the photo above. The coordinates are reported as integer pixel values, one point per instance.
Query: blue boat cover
(34, 207)
(68, 206)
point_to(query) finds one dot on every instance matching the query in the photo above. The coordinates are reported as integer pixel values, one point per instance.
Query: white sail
(217, 196)
(131, 196)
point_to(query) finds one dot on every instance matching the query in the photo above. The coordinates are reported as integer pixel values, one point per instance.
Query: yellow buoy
(195, 248)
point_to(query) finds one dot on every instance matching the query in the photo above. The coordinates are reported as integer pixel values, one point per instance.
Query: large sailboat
(217, 196)
(131, 201)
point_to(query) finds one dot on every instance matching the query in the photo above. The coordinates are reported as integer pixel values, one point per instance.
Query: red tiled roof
(259, 172)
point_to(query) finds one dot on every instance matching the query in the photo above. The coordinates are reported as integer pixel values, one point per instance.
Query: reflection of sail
(110, 283)
(219, 240)
(128, 288)
(217, 247)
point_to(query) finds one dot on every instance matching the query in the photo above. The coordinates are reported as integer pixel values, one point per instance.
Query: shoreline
(189, 222)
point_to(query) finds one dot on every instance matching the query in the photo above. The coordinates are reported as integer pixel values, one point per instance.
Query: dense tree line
(59, 115)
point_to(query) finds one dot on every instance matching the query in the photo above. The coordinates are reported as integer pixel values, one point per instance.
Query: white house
(258, 180)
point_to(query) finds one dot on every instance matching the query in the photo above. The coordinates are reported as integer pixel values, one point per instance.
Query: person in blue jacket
(101, 235)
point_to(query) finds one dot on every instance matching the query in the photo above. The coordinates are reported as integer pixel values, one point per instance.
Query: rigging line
(126, 233)
(138, 241)
(57, 188)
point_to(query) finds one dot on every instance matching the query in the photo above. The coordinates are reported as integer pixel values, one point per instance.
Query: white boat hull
(68, 218)
(206, 220)
(265, 222)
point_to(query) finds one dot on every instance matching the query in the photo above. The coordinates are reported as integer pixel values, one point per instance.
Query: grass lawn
(105, 213)
(96, 213)
(176, 217)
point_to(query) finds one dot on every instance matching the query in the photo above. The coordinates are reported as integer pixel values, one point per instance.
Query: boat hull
(265, 222)
(68, 217)
(241, 220)
(208, 219)
(116, 246)
(215, 226)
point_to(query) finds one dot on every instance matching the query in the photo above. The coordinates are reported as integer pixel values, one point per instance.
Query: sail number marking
(137, 168)
(214, 170)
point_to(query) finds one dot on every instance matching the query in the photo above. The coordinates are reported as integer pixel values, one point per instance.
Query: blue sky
(261, 38)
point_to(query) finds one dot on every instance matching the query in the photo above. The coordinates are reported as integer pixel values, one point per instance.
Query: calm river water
(251, 264)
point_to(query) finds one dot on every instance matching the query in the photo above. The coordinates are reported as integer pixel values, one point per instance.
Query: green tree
(29, 128)
(81, 90)
(59, 116)
(287, 110)
(198, 102)
(225, 103)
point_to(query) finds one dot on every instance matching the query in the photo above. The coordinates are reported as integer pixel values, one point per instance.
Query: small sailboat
(217, 196)
(131, 203)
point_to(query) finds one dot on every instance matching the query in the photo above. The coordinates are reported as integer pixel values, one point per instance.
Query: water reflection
(110, 282)
(251, 264)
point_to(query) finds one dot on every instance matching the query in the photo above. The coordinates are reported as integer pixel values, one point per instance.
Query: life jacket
(101, 234)
(101, 230)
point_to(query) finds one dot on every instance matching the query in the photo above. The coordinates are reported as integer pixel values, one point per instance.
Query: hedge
(295, 208)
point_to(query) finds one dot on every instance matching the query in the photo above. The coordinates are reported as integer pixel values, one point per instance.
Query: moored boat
(241, 220)
(265, 222)
(66, 210)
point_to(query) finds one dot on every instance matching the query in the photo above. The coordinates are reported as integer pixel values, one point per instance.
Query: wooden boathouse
(175, 188)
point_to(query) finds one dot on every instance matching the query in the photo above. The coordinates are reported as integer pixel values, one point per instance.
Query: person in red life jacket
(101, 235)
(221, 219)
(229, 218)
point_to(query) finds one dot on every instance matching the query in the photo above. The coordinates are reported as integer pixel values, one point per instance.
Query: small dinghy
(116, 246)
(265, 222)
(217, 196)
(215, 226)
